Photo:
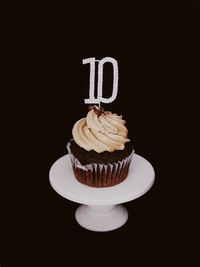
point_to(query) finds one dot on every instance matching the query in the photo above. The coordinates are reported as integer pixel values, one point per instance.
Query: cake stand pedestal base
(101, 218)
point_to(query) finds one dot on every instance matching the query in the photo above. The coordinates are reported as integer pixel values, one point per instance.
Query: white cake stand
(101, 211)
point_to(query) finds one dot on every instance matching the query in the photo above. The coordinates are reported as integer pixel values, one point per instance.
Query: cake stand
(101, 210)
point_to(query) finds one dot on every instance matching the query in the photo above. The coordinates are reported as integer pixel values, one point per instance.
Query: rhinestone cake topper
(100, 99)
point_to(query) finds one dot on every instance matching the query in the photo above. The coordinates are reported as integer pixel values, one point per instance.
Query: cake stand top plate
(138, 182)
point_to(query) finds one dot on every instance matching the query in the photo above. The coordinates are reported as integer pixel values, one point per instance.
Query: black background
(156, 46)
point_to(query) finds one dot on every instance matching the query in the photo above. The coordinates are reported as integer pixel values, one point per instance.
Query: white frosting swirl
(100, 132)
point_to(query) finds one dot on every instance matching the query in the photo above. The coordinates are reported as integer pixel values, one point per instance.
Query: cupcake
(100, 150)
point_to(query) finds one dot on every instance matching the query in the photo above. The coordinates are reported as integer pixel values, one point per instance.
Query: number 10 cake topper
(100, 98)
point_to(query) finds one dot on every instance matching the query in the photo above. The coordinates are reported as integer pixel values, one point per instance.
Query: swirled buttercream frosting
(100, 131)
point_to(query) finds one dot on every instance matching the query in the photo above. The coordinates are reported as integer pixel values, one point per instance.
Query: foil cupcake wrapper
(100, 175)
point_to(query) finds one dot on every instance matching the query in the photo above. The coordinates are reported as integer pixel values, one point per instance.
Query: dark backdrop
(156, 46)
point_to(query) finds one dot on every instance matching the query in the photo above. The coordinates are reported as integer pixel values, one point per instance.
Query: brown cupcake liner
(101, 175)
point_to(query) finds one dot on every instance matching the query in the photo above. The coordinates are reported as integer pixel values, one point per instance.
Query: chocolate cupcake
(100, 151)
